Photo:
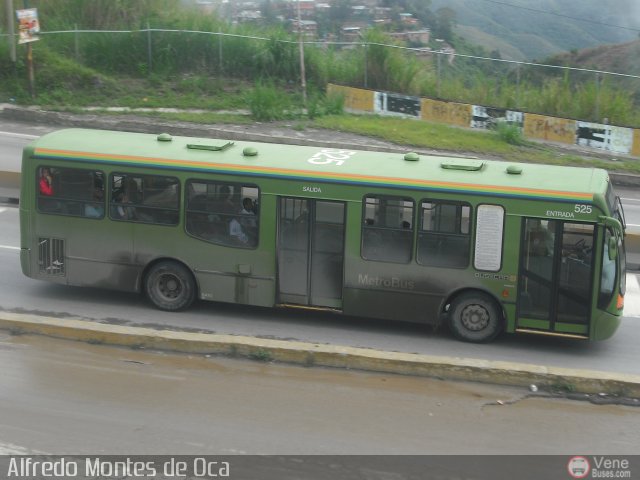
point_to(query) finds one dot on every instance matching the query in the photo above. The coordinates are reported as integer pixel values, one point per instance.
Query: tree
(445, 19)
(269, 13)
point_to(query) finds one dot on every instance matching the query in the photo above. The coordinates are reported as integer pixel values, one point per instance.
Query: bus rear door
(310, 252)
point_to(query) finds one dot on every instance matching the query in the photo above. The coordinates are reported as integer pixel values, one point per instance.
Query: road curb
(324, 355)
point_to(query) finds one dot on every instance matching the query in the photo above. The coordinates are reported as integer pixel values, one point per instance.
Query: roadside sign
(28, 25)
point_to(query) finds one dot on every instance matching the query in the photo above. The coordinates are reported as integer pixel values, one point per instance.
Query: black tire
(474, 317)
(170, 286)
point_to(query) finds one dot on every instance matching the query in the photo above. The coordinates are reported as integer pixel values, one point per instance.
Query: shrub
(509, 133)
(266, 102)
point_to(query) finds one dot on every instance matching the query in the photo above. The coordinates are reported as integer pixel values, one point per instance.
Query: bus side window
(223, 213)
(151, 199)
(444, 237)
(387, 229)
(71, 191)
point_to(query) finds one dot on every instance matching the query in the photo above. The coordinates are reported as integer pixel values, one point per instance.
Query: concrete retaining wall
(598, 136)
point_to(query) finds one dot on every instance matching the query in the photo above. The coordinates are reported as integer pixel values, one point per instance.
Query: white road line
(11, 449)
(9, 247)
(630, 199)
(3, 209)
(632, 296)
(20, 135)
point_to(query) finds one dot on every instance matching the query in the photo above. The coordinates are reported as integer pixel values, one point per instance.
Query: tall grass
(267, 102)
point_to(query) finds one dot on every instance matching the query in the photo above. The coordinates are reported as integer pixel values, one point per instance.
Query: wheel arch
(446, 303)
(145, 271)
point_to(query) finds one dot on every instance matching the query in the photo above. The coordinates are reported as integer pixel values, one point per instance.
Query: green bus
(483, 246)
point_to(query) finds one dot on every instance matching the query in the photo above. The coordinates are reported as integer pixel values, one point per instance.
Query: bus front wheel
(170, 286)
(474, 317)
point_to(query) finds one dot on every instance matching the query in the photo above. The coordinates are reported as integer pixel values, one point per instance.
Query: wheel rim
(169, 286)
(475, 318)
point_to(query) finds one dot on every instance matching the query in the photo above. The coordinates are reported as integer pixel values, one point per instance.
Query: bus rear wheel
(474, 317)
(170, 286)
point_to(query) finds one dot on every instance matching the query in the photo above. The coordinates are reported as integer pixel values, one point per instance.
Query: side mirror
(613, 248)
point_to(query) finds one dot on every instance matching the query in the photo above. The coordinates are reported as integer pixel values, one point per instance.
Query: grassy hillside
(623, 58)
(537, 35)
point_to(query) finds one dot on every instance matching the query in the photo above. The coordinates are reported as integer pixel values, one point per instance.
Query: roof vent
(249, 152)
(164, 137)
(514, 170)
(412, 157)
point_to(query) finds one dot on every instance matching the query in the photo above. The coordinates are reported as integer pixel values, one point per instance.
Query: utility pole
(11, 30)
(303, 76)
(32, 76)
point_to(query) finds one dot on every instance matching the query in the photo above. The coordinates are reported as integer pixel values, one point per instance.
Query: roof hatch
(462, 164)
(209, 147)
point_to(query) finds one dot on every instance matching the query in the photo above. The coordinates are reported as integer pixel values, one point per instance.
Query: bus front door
(310, 252)
(556, 277)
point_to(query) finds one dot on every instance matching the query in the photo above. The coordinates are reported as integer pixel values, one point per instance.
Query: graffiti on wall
(458, 114)
(354, 98)
(394, 104)
(488, 117)
(549, 128)
(592, 135)
(604, 137)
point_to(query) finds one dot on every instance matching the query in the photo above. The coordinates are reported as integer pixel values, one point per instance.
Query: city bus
(482, 246)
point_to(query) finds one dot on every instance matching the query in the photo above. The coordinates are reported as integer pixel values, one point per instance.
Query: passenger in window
(96, 209)
(248, 212)
(46, 182)
(226, 200)
(248, 207)
(541, 238)
(236, 232)
(123, 211)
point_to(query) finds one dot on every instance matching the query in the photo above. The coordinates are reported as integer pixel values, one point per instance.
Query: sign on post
(28, 25)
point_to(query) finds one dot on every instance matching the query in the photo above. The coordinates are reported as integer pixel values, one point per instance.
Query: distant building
(350, 33)
(206, 6)
(308, 28)
(359, 11)
(382, 13)
(245, 16)
(307, 8)
(408, 19)
(414, 36)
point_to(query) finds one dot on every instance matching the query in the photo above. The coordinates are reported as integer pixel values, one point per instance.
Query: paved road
(61, 397)
(22, 294)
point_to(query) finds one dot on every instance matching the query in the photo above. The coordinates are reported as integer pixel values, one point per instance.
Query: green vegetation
(267, 102)
(186, 69)
(414, 133)
(214, 73)
(512, 134)
(261, 355)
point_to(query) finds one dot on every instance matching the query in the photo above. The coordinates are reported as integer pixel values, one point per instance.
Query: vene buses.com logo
(578, 467)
